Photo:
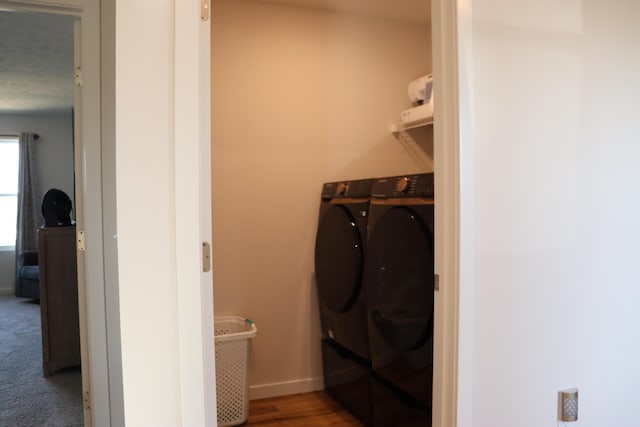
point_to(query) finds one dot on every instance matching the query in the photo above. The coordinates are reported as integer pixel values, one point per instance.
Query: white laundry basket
(232, 335)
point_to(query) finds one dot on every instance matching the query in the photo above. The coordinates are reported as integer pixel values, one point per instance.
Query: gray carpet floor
(27, 398)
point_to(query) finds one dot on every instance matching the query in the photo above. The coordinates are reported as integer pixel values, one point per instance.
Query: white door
(193, 194)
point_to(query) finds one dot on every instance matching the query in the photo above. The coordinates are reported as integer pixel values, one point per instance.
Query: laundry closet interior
(304, 92)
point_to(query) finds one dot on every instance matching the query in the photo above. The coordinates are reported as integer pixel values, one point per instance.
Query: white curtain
(29, 216)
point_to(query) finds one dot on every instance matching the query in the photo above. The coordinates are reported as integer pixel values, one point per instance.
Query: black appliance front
(339, 258)
(393, 408)
(347, 379)
(399, 283)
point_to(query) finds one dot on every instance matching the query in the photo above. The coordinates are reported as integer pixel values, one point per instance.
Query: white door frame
(78, 163)
(192, 100)
(450, 340)
(98, 393)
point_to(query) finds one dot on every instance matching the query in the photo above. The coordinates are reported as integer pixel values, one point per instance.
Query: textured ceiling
(36, 62)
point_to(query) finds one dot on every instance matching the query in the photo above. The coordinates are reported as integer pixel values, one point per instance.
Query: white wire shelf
(399, 127)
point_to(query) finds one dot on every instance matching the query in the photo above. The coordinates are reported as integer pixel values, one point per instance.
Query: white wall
(54, 157)
(300, 97)
(555, 137)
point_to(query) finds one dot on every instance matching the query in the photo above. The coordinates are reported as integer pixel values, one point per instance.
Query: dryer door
(338, 260)
(398, 280)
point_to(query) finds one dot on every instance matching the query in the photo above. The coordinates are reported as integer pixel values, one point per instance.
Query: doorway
(103, 400)
(38, 52)
(340, 78)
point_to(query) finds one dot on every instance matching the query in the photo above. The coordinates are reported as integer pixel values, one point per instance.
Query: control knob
(342, 189)
(402, 186)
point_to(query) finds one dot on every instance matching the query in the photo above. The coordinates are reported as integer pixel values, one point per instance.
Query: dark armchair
(28, 275)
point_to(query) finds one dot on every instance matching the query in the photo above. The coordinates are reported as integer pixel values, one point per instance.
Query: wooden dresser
(58, 298)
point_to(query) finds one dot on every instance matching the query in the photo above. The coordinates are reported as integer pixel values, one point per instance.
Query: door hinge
(206, 257)
(436, 282)
(204, 10)
(87, 400)
(78, 76)
(80, 240)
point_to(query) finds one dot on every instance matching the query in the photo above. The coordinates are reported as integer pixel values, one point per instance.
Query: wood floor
(309, 410)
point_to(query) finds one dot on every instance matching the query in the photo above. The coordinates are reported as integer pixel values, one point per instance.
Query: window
(9, 150)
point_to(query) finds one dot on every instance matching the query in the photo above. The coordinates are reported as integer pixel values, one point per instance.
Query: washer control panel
(419, 185)
(359, 188)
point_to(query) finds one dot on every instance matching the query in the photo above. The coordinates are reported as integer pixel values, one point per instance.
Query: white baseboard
(262, 391)
(6, 291)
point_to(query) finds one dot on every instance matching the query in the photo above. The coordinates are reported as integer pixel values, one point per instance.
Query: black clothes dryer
(339, 261)
(399, 284)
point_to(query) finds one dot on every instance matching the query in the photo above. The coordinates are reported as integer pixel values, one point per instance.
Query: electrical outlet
(568, 405)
